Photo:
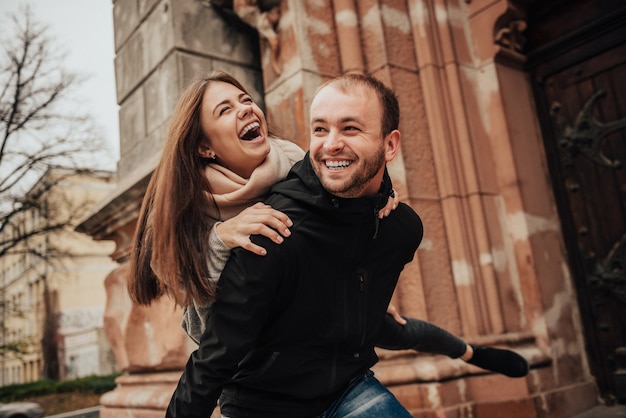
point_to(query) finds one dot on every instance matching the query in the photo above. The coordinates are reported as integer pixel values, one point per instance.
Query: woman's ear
(206, 152)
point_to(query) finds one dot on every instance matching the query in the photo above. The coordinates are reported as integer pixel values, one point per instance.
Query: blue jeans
(366, 397)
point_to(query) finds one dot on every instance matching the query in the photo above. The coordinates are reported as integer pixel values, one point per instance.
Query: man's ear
(392, 145)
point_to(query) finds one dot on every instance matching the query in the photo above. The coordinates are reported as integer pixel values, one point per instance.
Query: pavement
(602, 411)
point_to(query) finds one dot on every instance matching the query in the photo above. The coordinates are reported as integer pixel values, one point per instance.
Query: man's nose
(334, 141)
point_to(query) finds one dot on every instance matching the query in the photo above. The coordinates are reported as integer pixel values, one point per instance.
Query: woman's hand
(391, 310)
(392, 204)
(258, 219)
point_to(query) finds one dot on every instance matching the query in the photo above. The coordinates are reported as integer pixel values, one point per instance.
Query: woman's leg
(428, 338)
(420, 336)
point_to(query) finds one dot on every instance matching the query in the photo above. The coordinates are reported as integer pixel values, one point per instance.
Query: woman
(218, 162)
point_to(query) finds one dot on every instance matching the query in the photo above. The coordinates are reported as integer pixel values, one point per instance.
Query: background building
(513, 118)
(51, 286)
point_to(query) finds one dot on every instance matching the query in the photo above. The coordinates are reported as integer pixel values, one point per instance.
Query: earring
(211, 155)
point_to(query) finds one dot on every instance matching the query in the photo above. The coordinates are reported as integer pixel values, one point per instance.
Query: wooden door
(580, 89)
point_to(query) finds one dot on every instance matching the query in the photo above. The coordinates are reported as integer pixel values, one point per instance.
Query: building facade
(51, 285)
(513, 119)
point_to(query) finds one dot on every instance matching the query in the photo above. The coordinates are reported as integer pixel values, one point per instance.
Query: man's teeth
(248, 128)
(336, 165)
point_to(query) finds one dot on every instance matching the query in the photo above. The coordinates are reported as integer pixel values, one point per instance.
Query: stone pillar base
(437, 387)
(428, 386)
(141, 395)
(564, 401)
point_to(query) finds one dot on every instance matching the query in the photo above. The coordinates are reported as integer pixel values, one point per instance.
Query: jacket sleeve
(245, 293)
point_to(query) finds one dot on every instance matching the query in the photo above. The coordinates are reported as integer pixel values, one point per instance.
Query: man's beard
(354, 185)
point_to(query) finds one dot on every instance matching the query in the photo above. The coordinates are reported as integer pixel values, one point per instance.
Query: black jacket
(290, 330)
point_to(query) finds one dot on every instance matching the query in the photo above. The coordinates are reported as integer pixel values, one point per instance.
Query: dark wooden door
(579, 79)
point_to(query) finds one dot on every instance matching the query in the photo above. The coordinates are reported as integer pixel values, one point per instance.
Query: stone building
(513, 118)
(67, 269)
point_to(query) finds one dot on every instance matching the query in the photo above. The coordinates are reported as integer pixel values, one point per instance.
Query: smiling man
(292, 333)
(350, 139)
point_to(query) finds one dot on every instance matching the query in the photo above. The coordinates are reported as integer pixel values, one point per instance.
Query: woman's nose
(244, 109)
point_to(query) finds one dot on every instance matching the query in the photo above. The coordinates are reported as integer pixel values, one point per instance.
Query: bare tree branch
(41, 131)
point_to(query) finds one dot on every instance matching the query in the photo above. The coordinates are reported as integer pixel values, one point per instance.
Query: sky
(84, 29)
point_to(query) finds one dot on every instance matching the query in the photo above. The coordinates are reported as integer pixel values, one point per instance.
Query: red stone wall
(491, 267)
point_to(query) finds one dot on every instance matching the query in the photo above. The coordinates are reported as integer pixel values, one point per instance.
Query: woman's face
(235, 127)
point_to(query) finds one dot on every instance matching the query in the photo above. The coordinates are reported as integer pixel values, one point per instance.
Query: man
(291, 334)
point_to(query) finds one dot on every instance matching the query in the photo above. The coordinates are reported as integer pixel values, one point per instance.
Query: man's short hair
(388, 100)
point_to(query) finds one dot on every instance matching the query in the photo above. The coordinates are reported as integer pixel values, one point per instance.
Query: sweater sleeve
(195, 316)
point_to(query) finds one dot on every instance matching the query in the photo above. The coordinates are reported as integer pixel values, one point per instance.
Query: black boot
(501, 361)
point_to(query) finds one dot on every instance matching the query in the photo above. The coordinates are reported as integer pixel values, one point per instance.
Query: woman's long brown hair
(169, 252)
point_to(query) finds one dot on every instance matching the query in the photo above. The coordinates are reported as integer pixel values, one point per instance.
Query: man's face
(347, 151)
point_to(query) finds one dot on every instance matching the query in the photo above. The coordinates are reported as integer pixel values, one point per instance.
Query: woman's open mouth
(250, 132)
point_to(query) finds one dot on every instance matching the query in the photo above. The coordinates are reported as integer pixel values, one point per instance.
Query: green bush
(90, 384)
(17, 392)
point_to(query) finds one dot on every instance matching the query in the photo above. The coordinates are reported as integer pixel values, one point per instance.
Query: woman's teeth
(249, 132)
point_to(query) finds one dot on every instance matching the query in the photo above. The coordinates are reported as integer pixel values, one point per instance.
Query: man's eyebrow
(346, 119)
(351, 119)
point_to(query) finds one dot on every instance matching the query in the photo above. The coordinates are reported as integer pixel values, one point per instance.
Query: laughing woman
(203, 199)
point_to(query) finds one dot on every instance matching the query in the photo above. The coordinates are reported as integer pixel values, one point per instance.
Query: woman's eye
(223, 110)
(248, 100)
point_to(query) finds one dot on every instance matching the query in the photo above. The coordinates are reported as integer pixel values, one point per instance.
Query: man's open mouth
(337, 165)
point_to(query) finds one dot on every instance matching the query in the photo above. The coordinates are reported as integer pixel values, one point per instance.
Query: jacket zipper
(333, 372)
(376, 224)
(363, 290)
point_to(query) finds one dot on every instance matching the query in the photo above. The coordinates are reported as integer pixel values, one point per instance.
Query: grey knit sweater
(195, 316)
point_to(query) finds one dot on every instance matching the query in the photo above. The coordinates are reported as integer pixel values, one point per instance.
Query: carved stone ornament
(262, 16)
(509, 29)
(512, 36)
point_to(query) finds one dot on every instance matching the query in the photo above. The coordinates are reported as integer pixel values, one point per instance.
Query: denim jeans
(366, 397)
